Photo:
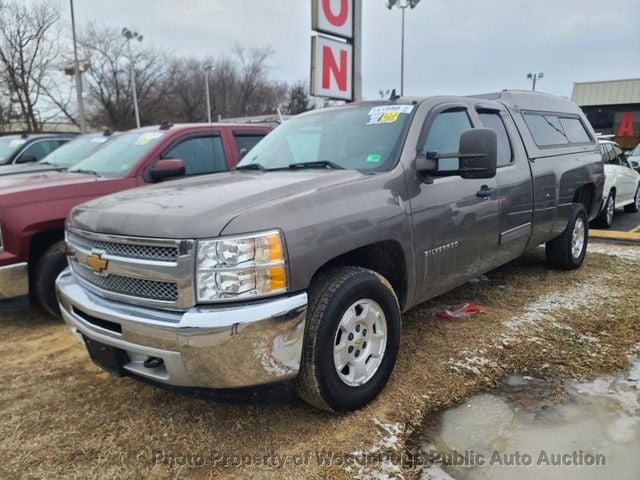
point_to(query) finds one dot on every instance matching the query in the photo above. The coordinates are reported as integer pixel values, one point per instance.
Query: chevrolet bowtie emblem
(97, 263)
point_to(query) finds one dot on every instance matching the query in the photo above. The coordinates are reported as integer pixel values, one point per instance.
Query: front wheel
(351, 340)
(49, 266)
(635, 206)
(567, 251)
(605, 218)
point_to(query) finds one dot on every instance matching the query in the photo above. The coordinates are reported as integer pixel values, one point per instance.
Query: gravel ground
(62, 417)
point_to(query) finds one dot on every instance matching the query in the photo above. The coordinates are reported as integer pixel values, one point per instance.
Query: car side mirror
(243, 152)
(478, 153)
(27, 159)
(167, 168)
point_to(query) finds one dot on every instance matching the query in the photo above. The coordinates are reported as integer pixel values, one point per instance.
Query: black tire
(52, 262)
(560, 252)
(330, 295)
(605, 217)
(635, 206)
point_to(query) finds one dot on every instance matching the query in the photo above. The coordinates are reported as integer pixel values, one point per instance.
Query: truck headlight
(240, 267)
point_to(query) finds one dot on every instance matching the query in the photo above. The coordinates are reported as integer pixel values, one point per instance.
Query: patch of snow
(471, 362)
(630, 252)
(385, 469)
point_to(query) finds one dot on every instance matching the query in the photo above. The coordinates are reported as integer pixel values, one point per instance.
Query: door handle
(485, 191)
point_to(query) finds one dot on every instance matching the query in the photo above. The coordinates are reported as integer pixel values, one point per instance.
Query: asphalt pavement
(625, 222)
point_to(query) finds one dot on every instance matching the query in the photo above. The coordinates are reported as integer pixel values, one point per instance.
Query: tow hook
(153, 362)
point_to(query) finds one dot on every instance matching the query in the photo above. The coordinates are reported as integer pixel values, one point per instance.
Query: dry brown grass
(62, 417)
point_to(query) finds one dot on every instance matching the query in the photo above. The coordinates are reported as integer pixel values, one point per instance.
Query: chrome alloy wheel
(577, 238)
(360, 342)
(611, 208)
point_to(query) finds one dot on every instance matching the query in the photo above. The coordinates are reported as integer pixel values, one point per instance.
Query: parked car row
(34, 206)
(290, 273)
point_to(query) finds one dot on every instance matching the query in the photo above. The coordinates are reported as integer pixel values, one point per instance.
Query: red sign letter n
(330, 68)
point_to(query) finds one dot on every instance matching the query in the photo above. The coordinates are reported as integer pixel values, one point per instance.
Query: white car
(634, 158)
(621, 185)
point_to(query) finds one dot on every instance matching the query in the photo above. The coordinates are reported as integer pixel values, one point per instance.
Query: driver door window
(444, 136)
(39, 150)
(200, 155)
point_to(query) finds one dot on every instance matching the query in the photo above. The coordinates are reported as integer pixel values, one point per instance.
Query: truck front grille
(143, 271)
(148, 252)
(135, 287)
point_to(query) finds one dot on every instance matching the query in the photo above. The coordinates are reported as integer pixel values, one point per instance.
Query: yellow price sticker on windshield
(390, 117)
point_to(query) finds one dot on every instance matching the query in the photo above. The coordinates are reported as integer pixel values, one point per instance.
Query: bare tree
(28, 49)
(109, 79)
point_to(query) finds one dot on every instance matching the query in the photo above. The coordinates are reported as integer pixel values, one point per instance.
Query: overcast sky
(453, 46)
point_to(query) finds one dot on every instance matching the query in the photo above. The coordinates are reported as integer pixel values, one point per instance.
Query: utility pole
(129, 35)
(207, 70)
(78, 74)
(357, 50)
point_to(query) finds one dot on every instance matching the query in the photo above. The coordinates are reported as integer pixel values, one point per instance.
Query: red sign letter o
(336, 20)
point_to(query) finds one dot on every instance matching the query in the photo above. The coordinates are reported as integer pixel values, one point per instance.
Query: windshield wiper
(81, 170)
(252, 166)
(316, 164)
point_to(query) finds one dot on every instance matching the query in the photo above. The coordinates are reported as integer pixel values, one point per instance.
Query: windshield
(8, 146)
(118, 156)
(636, 151)
(362, 138)
(74, 151)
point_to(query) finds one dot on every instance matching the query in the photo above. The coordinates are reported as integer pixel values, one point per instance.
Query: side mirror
(478, 153)
(27, 159)
(167, 168)
(243, 152)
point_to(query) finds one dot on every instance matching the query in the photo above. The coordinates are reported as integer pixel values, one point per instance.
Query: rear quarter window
(549, 129)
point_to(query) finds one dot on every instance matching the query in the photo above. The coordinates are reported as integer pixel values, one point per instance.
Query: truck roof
(186, 126)
(529, 100)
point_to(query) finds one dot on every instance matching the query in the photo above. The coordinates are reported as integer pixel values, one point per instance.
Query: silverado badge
(97, 263)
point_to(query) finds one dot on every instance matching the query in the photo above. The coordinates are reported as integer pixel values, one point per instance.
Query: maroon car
(33, 207)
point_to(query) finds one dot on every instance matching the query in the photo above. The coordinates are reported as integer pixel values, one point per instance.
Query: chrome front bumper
(226, 346)
(14, 281)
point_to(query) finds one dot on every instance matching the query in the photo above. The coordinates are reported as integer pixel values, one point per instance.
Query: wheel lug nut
(357, 353)
(364, 332)
(364, 345)
(351, 336)
(350, 349)
(357, 328)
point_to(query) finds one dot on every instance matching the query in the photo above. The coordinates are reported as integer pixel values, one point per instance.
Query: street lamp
(535, 77)
(129, 35)
(77, 72)
(402, 5)
(207, 70)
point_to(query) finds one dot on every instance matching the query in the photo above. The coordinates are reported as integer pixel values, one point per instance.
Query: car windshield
(8, 146)
(118, 156)
(365, 138)
(74, 151)
(636, 151)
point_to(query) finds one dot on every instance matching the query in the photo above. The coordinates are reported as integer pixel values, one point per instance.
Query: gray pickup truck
(291, 273)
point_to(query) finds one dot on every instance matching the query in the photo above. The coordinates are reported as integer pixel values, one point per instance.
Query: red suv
(33, 208)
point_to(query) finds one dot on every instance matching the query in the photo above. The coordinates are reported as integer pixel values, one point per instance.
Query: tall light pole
(535, 77)
(78, 74)
(402, 5)
(129, 35)
(207, 69)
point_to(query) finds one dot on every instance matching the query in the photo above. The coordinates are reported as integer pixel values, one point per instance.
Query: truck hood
(200, 207)
(48, 186)
(29, 168)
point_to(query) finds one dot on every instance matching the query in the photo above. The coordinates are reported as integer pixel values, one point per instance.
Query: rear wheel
(635, 206)
(49, 266)
(351, 340)
(567, 251)
(605, 218)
